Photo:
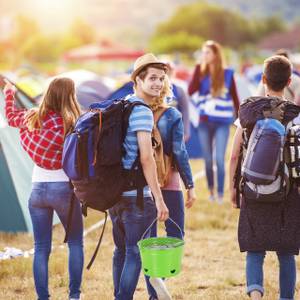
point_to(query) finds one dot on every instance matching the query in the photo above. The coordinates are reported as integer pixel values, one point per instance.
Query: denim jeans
(175, 203)
(129, 223)
(45, 198)
(287, 273)
(210, 133)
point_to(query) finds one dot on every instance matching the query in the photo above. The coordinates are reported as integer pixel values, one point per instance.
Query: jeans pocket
(131, 212)
(59, 192)
(36, 197)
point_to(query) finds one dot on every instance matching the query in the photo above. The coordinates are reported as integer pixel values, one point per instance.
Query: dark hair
(143, 72)
(277, 71)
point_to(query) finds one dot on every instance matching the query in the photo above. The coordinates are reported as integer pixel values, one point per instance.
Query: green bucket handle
(155, 220)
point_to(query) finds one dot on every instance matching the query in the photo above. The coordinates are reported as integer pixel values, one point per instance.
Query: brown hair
(143, 72)
(217, 76)
(60, 98)
(282, 52)
(277, 72)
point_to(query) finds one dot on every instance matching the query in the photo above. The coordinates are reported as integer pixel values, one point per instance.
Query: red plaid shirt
(43, 145)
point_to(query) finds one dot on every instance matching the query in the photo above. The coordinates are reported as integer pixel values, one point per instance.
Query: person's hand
(162, 210)
(2, 82)
(191, 198)
(8, 86)
(233, 198)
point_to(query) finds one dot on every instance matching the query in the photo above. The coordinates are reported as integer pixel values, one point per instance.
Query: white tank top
(43, 175)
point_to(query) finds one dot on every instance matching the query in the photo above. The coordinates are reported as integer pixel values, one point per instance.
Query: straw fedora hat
(143, 61)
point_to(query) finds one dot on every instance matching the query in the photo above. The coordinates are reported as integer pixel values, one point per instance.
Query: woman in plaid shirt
(42, 133)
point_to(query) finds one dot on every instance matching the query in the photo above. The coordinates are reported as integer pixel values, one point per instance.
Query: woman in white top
(42, 133)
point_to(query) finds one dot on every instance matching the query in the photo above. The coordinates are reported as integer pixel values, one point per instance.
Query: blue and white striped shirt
(141, 119)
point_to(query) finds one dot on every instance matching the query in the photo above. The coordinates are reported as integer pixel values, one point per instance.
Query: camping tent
(15, 175)
(90, 87)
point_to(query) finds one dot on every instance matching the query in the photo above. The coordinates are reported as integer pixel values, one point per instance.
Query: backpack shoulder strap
(127, 109)
(140, 180)
(99, 243)
(238, 178)
(128, 106)
(159, 112)
(70, 213)
(136, 103)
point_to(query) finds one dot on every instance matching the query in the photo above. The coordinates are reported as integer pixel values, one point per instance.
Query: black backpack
(92, 158)
(293, 150)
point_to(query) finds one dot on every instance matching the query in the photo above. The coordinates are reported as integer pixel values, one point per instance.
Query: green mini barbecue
(161, 256)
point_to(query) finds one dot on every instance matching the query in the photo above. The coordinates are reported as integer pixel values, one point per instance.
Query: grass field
(213, 267)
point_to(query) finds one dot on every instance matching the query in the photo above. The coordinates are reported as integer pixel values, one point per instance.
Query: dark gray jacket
(271, 227)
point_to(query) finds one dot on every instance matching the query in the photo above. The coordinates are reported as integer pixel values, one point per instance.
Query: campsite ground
(213, 267)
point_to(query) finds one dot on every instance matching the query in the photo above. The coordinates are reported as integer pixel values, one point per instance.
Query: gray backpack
(269, 158)
(264, 172)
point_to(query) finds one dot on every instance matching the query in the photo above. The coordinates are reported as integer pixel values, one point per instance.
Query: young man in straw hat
(128, 219)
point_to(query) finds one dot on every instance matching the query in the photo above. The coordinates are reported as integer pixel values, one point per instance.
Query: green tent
(15, 175)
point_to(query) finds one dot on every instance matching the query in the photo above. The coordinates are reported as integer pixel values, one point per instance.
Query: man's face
(153, 82)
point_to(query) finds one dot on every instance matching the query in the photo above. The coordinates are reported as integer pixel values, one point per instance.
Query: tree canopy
(204, 21)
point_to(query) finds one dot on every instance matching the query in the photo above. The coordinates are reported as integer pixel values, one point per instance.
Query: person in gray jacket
(268, 226)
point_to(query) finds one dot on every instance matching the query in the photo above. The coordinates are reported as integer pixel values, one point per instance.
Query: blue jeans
(210, 132)
(129, 223)
(45, 198)
(175, 203)
(287, 273)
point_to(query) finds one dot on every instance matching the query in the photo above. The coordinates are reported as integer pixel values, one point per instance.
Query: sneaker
(211, 198)
(160, 288)
(220, 200)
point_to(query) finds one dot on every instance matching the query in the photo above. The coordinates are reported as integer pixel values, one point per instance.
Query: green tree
(214, 22)
(177, 42)
(25, 28)
(82, 31)
(268, 25)
(208, 22)
(41, 48)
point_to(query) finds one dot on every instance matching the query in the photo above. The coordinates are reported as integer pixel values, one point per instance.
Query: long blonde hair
(60, 98)
(217, 75)
(159, 101)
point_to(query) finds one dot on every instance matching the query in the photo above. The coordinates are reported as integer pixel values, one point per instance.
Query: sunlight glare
(54, 14)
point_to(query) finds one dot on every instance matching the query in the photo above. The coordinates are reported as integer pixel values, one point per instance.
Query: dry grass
(213, 267)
